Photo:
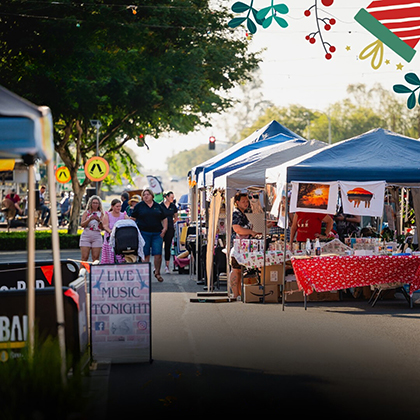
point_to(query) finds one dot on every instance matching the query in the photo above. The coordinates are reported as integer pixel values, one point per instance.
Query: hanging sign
(62, 175)
(120, 312)
(363, 198)
(314, 197)
(96, 168)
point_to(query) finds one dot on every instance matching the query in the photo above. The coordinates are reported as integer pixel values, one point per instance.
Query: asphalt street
(338, 360)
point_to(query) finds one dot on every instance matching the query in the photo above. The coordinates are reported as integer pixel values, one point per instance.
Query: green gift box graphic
(395, 23)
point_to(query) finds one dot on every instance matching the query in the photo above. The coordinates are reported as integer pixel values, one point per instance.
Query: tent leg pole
(286, 225)
(31, 259)
(58, 284)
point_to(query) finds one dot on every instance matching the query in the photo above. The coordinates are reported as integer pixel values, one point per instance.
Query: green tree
(160, 66)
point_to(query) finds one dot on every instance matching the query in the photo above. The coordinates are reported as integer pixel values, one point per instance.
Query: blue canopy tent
(270, 134)
(251, 154)
(378, 155)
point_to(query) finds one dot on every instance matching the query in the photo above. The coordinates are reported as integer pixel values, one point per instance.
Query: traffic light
(212, 143)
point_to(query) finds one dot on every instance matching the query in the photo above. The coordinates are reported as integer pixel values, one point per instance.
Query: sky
(295, 71)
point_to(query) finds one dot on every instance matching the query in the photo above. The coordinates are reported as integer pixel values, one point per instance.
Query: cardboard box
(293, 294)
(257, 293)
(273, 274)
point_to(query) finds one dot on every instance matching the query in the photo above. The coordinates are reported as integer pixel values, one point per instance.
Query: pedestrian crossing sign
(62, 175)
(96, 168)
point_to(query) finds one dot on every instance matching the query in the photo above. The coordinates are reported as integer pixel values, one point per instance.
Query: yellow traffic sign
(96, 168)
(62, 175)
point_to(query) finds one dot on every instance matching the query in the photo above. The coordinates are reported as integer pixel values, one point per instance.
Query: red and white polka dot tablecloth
(341, 272)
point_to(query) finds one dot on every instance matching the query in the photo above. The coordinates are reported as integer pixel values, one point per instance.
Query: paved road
(336, 359)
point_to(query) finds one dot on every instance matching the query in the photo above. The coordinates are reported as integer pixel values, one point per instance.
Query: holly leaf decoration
(401, 89)
(411, 101)
(281, 8)
(412, 78)
(235, 22)
(263, 12)
(281, 22)
(251, 26)
(240, 7)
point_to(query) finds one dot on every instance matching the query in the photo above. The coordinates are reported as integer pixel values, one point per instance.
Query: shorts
(153, 241)
(91, 238)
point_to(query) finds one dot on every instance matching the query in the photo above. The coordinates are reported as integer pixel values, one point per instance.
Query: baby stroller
(127, 241)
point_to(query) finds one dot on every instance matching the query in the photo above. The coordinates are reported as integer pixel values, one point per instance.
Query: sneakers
(166, 270)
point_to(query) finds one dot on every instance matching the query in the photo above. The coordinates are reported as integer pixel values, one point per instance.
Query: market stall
(251, 175)
(270, 135)
(358, 169)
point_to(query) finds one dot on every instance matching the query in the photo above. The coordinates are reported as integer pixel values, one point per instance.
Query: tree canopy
(163, 65)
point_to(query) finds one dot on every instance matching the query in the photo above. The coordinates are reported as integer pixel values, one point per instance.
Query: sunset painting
(313, 196)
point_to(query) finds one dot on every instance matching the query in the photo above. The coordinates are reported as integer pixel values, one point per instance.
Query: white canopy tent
(254, 175)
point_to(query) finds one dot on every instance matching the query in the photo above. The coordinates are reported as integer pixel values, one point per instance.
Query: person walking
(108, 222)
(171, 212)
(153, 224)
(91, 222)
(134, 200)
(124, 201)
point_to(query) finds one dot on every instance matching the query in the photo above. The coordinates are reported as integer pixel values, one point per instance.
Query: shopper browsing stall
(171, 211)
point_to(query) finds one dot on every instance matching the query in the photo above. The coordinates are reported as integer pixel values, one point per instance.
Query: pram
(127, 241)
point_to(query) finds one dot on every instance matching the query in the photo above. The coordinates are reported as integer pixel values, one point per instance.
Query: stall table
(330, 273)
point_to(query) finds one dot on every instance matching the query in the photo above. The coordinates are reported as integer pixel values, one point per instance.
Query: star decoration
(399, 66)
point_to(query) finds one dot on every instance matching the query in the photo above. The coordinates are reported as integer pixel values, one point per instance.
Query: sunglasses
(256, 196)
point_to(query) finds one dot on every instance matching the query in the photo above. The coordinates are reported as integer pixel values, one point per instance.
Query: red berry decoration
(323, 24)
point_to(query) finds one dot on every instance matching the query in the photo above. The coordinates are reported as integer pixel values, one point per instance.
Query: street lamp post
(97, 124)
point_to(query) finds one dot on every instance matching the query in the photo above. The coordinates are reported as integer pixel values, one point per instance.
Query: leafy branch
(260, 16)
(414, 80)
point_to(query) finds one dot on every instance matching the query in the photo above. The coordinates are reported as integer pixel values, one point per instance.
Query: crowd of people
(155, 222)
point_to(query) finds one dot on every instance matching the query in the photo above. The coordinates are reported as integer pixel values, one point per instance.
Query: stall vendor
(309, 225)
(346, 224)
(241, 229)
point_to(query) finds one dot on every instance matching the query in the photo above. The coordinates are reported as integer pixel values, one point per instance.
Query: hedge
(17, 241)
